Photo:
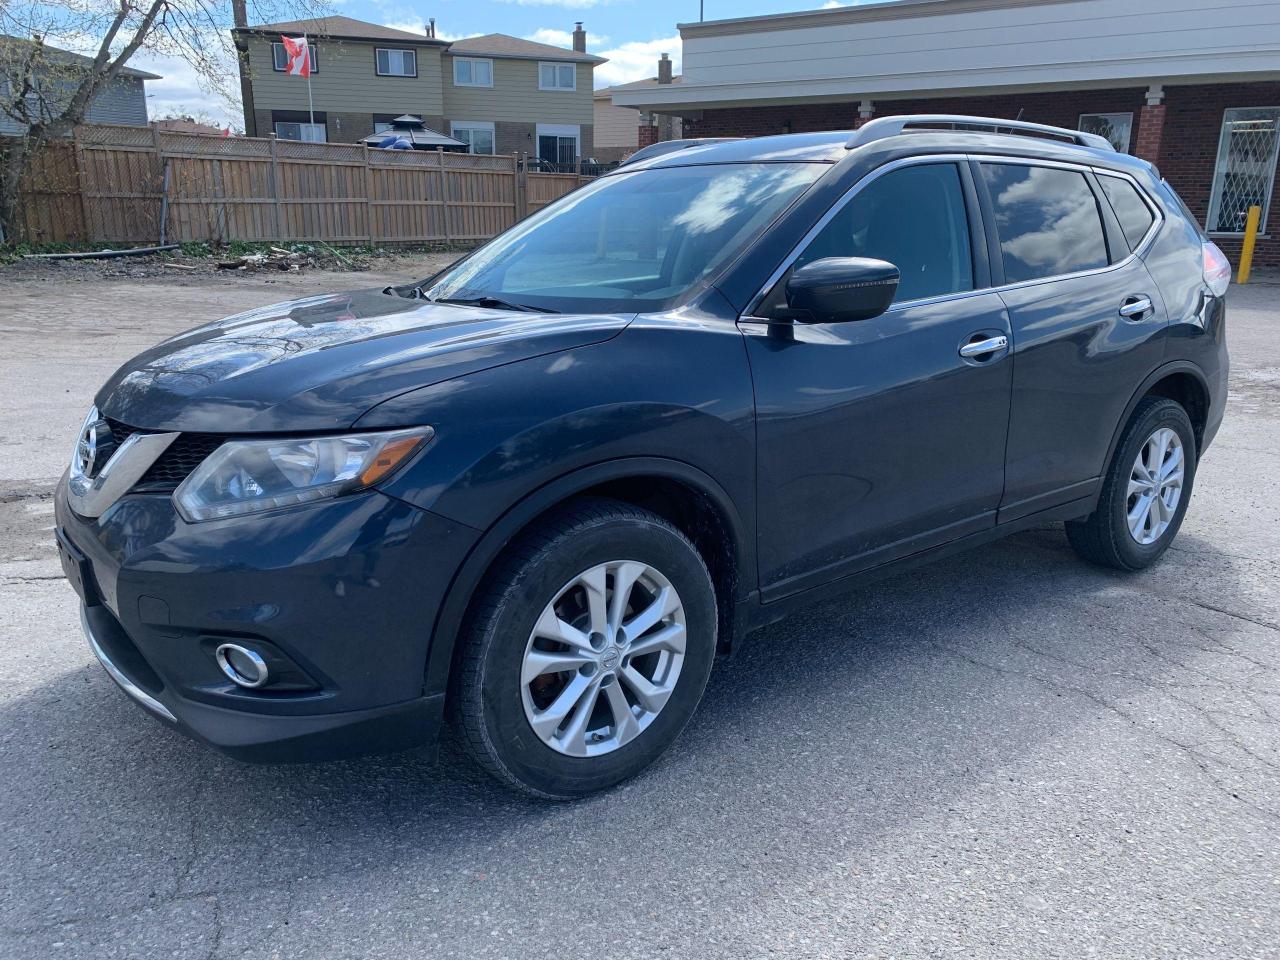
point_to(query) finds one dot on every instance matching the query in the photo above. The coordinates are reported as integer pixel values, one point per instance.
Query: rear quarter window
(1047, 219)
(1131, 210)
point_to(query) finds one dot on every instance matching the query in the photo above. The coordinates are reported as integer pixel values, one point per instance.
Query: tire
(557, 566)
(1105, 537)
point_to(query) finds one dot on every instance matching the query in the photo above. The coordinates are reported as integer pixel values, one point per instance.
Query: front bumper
(345, 590)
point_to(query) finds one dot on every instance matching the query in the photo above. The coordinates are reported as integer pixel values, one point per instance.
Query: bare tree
(47, 85)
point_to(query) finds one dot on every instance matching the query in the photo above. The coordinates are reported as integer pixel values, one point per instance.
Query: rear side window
(1135, 216)
(914, 218)
(1048, 221)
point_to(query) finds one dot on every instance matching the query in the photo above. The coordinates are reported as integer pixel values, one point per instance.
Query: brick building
(1193, 87)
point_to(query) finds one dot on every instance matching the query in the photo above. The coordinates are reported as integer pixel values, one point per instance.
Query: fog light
(244, 667)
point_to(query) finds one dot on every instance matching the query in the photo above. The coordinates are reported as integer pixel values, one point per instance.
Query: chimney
(664, 69)
(579, 38)
(431, 28)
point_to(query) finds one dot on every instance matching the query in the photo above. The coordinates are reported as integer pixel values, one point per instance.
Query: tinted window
(1048, 221)
(915, 219)
(1135, 216)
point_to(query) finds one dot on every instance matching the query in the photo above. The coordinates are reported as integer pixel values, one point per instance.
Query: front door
(876, 438)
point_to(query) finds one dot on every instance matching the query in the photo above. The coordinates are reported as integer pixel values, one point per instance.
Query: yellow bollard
(1246, 248)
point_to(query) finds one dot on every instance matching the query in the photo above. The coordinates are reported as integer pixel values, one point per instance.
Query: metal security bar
(1246, 168)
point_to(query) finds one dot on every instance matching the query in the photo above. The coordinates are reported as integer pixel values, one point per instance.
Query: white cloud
(563, 38)
(636, 60)
(833, 4)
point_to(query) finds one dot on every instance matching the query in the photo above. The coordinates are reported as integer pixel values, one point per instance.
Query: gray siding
(123, 102)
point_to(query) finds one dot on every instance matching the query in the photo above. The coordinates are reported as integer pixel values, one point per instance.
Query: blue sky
(631, 33)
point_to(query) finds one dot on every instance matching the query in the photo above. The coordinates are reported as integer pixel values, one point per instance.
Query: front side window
(307, 132)
(472, 73)
(1134, 215)
(396, 63)
(557, 76)
(1048, 221)
(631, 242)
(280, 57)
(1116, 127)
(477, 136)
(1245, 173)
(914, 218)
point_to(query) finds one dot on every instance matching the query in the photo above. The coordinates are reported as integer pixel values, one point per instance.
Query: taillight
(1217, 268)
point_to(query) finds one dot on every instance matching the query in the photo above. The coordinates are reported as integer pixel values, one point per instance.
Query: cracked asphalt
(1005, 754)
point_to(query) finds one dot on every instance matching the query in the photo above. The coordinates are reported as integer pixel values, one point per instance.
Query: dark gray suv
(538, 492)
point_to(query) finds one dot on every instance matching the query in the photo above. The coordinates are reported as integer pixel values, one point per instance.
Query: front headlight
(247, 476)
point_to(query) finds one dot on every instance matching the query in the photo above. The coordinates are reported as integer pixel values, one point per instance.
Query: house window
(280, 59)
(478, 135)
(381, 126)
(1245, 173)
(557, 76)
(558, 144)
(307, 132)
(396, 63)
(472, 73)
(1115, 127)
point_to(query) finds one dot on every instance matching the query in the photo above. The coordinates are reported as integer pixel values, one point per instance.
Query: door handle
(982, 347)
(1135, 307)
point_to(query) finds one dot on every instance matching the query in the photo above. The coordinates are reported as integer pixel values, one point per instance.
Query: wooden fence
(139, 185)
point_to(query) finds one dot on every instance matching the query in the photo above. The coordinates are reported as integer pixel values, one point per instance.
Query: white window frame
(556, 65)
(457, 126)
(1128, 134)
(403, 51)
(1215, 192)
(463, 83)
(558, 130)
(301, 138)
(311, 57)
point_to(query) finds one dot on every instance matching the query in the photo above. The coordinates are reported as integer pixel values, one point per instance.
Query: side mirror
(837, 289)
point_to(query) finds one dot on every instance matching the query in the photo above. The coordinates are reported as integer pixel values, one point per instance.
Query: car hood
(321, 362)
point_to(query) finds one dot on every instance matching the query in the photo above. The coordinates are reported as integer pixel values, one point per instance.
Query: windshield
(632, 242)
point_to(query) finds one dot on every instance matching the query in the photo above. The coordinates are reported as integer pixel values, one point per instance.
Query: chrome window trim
(799, 248)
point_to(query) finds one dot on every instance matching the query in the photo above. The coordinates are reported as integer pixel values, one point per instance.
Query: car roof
(833, 146)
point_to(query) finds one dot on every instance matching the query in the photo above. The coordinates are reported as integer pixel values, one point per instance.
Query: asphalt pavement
(1005, 754)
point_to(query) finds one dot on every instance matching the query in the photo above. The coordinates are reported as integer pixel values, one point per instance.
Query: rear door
(1088, 325)
(882, 437)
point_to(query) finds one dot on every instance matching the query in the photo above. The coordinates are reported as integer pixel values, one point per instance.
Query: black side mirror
(837, 289)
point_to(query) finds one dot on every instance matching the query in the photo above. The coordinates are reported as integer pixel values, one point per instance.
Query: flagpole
(306, 52)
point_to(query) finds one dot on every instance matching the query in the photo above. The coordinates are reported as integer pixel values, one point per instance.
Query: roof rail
(883, 127)
(671, 146)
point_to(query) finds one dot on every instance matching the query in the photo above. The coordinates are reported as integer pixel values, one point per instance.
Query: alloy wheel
(1155, 486)
(603, 658)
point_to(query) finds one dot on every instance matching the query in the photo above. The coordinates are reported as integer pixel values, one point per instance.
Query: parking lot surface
(1005, 754)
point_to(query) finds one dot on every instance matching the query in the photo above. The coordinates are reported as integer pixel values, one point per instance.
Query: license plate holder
(77, 570)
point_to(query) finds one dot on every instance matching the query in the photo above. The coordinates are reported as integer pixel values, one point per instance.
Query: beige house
(499, 94)
(620, 131)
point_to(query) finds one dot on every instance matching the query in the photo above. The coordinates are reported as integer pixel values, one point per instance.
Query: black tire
(486, 705)
(1103, 537)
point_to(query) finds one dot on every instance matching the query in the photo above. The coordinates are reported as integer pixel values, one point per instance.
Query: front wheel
(1145, 491)
(587, 652)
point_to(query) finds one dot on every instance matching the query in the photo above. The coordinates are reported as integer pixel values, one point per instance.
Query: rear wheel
(1145, 491)
(588, 651)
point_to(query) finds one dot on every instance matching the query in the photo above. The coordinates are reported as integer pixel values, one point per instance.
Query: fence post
(80, 182)
(368, 193)
(275, 190)
(444, 197)
(519, 187)
(157, 175)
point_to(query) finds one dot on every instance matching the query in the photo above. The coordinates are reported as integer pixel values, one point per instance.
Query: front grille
(182, 456)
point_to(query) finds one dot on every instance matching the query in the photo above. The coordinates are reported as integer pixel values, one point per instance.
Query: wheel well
(698, 517)
(1191, 394)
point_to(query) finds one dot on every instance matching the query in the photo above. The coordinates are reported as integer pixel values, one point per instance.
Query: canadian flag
(299, 64)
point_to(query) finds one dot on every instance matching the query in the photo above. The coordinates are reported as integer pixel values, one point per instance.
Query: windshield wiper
(492, 303)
